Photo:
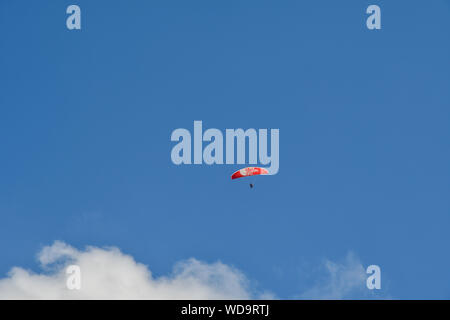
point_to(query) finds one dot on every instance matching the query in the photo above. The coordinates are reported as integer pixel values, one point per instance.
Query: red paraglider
(249, 171)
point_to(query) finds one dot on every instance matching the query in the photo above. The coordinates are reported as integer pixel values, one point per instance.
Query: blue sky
(86, 118)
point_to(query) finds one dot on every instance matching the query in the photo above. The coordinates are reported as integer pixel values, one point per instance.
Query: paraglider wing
(249, 171)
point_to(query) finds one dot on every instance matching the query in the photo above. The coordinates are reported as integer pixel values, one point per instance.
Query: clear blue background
(86, 118)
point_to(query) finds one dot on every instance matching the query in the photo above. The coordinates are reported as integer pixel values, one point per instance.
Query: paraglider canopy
(249, 171)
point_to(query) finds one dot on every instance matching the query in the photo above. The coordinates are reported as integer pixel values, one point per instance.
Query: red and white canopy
(249, 171)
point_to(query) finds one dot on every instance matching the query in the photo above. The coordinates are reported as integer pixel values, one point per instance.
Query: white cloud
(344, 280)
(107, 273)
